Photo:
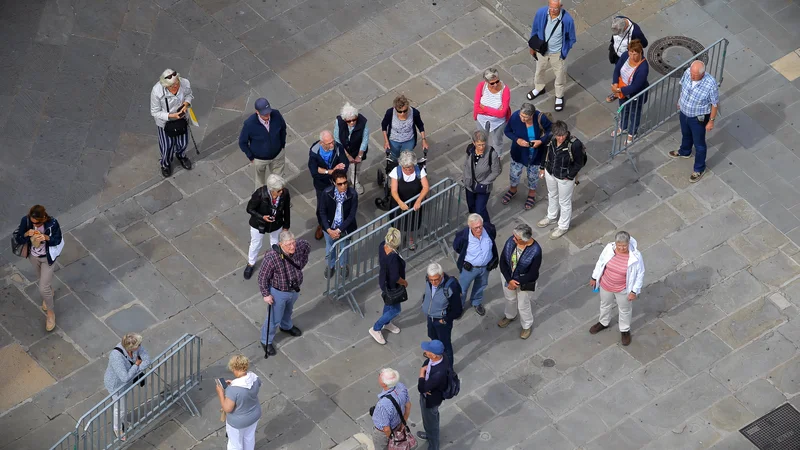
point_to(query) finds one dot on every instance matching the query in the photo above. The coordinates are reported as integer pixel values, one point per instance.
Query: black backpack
(453, 385)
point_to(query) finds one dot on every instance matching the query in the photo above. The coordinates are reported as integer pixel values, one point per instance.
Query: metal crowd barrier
(172, 374)
(438, 218)
(663, 96)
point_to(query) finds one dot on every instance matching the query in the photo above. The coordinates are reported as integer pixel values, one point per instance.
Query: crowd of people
(540, 147)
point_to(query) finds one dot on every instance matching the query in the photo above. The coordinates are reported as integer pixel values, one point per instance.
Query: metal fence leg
(630, 158)
(354, 304)
(187, 401)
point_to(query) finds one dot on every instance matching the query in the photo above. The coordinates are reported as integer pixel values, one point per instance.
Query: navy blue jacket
(326, 211)
(639, 81)
(386, 123)
(254, 140)
(461, 242)
(392, 268)
(527, 271)
(435, 384)
(516, 129)
(315, 161)
(636, 33)
(51, 228)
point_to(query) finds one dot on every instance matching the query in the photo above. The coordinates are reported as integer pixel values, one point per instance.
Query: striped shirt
(615, 275)
(492, 100)
(385, 413)
(626, 72)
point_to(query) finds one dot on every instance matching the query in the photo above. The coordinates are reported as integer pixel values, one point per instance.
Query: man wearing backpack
(433, 381)
(441, 304)
(564, 159)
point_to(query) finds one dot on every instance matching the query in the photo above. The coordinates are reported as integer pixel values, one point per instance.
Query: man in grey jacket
(441, 304)
(481, 167)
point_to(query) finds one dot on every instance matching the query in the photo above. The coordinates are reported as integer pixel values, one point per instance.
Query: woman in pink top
(620, 272)
(491, 107)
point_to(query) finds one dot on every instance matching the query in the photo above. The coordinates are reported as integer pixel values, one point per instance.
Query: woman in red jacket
(491, 108)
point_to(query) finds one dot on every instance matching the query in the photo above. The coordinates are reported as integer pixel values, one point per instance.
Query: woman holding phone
(239, 400)
(170, 100)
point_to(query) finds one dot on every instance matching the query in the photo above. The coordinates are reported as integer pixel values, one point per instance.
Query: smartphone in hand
(221, 382)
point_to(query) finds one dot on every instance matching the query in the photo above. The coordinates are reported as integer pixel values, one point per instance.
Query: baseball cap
(435, 346)
(262, 106)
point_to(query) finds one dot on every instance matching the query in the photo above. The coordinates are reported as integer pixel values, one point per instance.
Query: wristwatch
(711, 118)
(326, 171)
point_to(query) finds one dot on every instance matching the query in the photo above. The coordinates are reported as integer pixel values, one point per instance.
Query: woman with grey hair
(126, 364)
(409, 181)
(491, 107)
(351, 130)
(270, 213)
(618, 275)
(482, 166)
(623, 30)
(392, 282)
(170, 100)
(529, 131)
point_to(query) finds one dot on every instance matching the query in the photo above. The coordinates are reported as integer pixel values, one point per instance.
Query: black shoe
(294, 331)
(329, 271)
(263, 347)
(166, 171)
(248, 271)
(271, 350)
(480, 310)
(422, 435)
(185, 162)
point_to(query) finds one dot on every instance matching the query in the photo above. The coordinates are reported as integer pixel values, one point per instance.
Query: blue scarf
(337, 217)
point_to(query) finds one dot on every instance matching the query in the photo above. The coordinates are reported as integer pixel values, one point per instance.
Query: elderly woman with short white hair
(492, 107)
(239, 400)
(409, 180)
(351, 130)
(170, 99)
(127, 363)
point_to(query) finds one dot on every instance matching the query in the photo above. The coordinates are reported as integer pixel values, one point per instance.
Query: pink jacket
(504, 111)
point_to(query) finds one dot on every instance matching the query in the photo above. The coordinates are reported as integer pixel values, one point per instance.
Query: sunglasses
(37, 223)
(169, 77)
(344, 183)
(352, 120)
(492, 83)
(401, 112)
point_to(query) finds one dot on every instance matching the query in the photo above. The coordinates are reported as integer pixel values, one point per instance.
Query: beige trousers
(559, 67)
(264, 167)
(518, 300)
(45, 272)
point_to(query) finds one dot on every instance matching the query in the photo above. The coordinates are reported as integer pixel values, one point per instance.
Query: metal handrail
(662, 98)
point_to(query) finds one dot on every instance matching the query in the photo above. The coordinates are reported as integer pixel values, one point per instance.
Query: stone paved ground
(716, 330)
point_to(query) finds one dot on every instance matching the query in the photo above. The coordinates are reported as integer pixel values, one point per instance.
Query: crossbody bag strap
(555, 27)
(626, 35)
(397, 407)
(165, 100)
(122, 352)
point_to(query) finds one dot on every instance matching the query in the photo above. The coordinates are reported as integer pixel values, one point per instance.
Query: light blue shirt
(364, 141)
(479, 251)
(555, 42)
(697, 98)
(385, 413)
(428, 369)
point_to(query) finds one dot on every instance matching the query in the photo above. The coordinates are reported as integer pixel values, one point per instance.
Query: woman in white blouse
(408, 181)
(491, 107)
(170, 99)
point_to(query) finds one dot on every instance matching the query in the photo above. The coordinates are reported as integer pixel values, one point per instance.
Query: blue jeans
(442, 332)
(694, 133)
(634, 110)
(476, 203)
(397, 147)
(330, 256)
(282, 307)
(481, 278)
(430, 421)
(389, 313)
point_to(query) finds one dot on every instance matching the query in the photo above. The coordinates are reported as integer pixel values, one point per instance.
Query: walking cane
(269, 322)
(193, 141)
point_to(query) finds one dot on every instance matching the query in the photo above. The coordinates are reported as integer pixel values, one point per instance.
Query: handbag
(400, 439)
(539, 45)
(621, 83)
(613, 57)
(139, 376)
(395, 296)
(177, 127)
(18, 249)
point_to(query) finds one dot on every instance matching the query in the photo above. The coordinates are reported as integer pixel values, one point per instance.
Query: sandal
(559, 106)
(630, 139)
(530, 202)
(531, 95)
(411, 245)
(508, 196)
(617, 132)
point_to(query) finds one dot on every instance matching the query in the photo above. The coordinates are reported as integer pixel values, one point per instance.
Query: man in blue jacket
(519, 264)
(441, 304)
(337, 217)
(477, 256)
(263, 139)
(553, 25)
(431, 385)
(325, 156)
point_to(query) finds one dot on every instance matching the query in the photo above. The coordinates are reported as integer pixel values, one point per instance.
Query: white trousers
(607, 301)
(255, 243)
(353, 172)
(517, 300)
(243, 438)
(559, 197)
(119, 411)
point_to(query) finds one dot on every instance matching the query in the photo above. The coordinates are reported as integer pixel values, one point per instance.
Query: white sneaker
(391, 328)
(377, 336)
(545, 222)
(557, 233)
(359, 188)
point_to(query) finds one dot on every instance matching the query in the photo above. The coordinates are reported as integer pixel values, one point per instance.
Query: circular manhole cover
(548, 363)
(486, 437)
(665, 54)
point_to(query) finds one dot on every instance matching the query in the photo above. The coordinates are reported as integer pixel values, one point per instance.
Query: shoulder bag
(394, 296)
(613, 57)
(177, 127)
(18, 249)
(539, 45)
(400, 439)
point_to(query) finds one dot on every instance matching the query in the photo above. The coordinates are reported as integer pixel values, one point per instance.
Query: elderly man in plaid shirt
(279, 279)
(699, 105)
(384, 415)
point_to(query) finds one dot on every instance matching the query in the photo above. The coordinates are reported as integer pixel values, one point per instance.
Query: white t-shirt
(408, 178)
(492, 100)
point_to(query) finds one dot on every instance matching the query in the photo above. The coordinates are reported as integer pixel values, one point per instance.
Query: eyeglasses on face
(401, 111)
(343, 183)
(169, 77)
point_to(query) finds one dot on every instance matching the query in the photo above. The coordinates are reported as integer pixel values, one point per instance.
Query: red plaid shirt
(278, 274)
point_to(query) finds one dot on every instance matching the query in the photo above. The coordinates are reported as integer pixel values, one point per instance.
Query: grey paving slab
(413, 59)
(151, 288)
(728, 415)
(567, 392)
(628, 203)
(749, 322)
(185, 277)
(548, 437)
(169, 435)
(83, 328)
(196, 209)
(325, 413)
(139, 232)
(67, 393)
(202, 175)
(208, 251)
(54, 430)
(440, 45)
(621, 400)
(20, 422)
(690, 318)
(511, 427)
(755, 358)
(388, 73)
(784, 377)
(124, 214)
(706, 233)
(760, 397)
(698, 353)
(581, 425)
(653, 226)
(156, 249)
(695, 433)
(95, 286)
(232, 324)
(134, 319)
(450, 72)
(140, 17)
(611, 365)
(653, 340)
(158, 198)
(100, 239)
(776, 271)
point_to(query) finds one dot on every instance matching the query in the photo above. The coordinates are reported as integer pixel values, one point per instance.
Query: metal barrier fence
(172, 374)
(439, 217)
(662, 100)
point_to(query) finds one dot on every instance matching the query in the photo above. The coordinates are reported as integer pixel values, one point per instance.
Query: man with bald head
(698, 107)
(552, 36)
(325, 156)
